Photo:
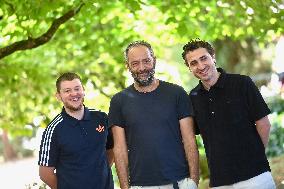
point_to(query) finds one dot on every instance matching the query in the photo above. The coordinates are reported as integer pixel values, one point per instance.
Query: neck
(208, 84)
(78, 114)
(148, 88)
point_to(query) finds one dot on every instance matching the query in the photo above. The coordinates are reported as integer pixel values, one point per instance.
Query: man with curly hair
(231, 116)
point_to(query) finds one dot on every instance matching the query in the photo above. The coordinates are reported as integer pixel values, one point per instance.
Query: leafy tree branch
(31, 43)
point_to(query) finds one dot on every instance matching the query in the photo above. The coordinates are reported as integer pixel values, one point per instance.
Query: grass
(277, 168)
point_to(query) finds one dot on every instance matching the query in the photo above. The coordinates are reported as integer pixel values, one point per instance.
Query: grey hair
(137, 44)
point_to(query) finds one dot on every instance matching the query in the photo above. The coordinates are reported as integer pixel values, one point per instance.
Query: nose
(141, 66)
(200, 65)
(73, 92)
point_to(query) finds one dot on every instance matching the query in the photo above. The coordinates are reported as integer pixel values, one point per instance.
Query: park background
(39, 39)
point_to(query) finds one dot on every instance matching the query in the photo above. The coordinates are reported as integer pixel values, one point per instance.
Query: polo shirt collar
(220, 82)
(73, 121)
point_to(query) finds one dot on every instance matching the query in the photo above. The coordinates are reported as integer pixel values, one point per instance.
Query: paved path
(19, 174)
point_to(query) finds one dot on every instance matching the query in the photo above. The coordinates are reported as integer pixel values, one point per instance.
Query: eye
(203, 58)
(134, 64)
(67, 91)
(193, 63)
(147, 61)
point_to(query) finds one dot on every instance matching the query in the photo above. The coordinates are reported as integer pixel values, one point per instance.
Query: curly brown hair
(194, 44)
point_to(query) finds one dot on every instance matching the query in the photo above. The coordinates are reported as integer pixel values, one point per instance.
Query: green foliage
(217, 19)
(36, 186)
(276, 104)
(276, 140)
(92, 43)
(204, 170)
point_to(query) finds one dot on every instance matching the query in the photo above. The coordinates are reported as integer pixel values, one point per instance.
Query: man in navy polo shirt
(76, 143)
(154, 140)
(232, 118)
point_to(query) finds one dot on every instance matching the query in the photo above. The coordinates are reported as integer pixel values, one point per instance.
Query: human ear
(57, 95)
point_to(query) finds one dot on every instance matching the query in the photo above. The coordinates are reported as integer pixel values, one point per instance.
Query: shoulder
(237, 77)
(194, 91)
(124, 94)
(97, 113)
(171, 86)
(238, 80)
(57, 122)
(54, 125)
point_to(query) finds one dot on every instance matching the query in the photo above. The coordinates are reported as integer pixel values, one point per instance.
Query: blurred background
(41, 39)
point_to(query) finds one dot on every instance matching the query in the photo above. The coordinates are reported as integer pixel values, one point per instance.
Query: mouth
(75, 99)
(143, 75)
(204, 71)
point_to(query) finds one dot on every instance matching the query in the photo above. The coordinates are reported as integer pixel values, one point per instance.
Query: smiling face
(71, 94)
(202, 65)
(141, 65)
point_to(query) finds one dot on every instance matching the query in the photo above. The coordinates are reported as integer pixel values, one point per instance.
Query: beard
(72, 108)
(145, 81)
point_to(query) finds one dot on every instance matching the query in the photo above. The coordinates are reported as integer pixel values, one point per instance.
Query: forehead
(139, 52)
(196, 54)
(70, 84)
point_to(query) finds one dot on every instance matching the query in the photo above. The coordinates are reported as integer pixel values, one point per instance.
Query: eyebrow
(77, 86)
(143, 59)
(204, 56)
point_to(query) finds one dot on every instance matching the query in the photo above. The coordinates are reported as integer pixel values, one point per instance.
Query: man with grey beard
(152, 125)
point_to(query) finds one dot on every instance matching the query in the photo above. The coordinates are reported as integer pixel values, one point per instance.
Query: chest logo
(100, 128)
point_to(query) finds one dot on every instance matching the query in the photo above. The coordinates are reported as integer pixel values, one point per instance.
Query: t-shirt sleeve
(109, 143)
(256, 104)
(48, 148)
(109, 140)
(115, 114)
(196, 128)
(184, 106)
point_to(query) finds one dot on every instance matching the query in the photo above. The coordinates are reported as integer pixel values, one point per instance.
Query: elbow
(42, 175)
(45, 173)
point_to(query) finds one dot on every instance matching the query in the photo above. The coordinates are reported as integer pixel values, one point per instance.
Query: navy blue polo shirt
(151, 122)
(77, 149)
(225, 116)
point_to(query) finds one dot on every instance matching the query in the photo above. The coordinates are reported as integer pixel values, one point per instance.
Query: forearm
(120, 156)
(121, 164)
(51, 181)
(264, 137)
(263, 129)
(192, 155)
(190, 147)
(49, 178)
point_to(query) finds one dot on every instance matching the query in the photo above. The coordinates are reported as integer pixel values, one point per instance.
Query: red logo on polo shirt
(100, 128)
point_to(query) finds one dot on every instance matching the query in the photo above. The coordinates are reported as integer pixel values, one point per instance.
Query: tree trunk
(8, 151)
